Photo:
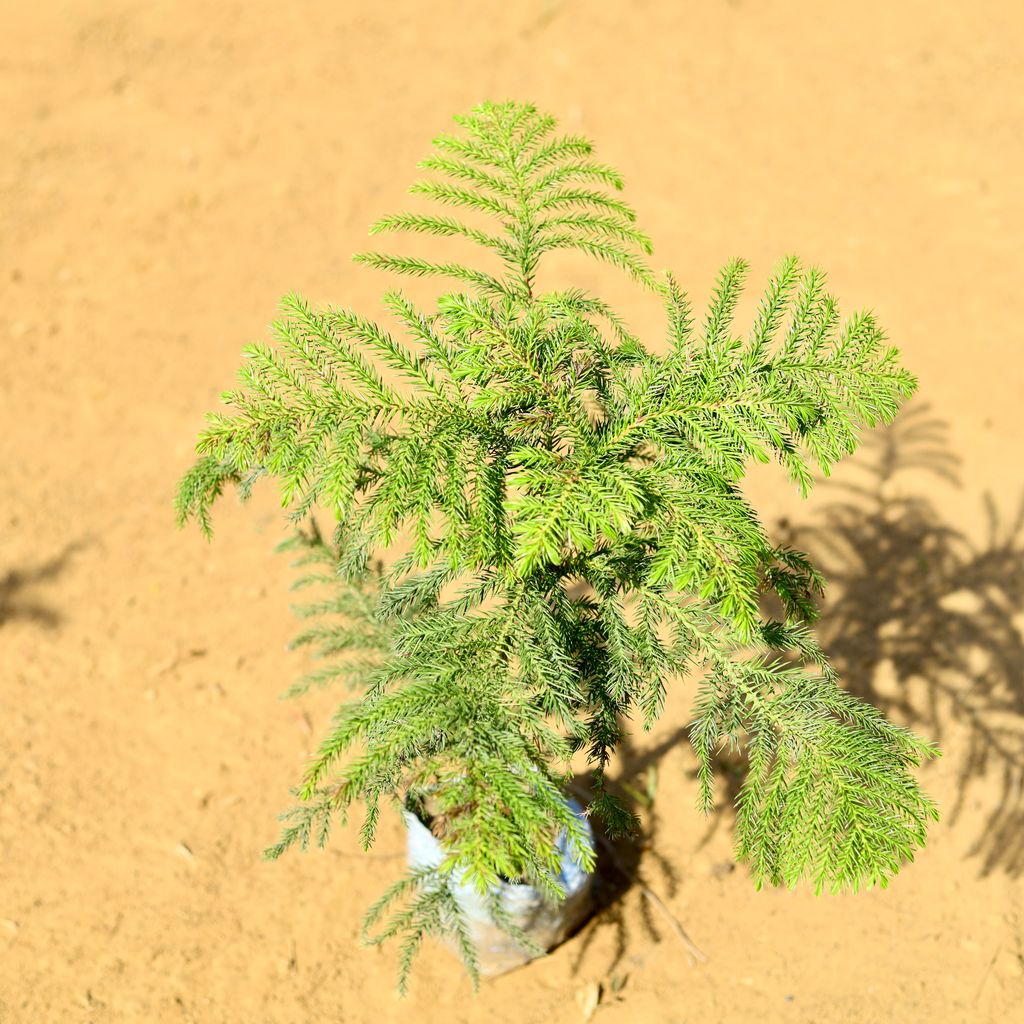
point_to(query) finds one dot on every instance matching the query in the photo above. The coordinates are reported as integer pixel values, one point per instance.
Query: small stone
(962, 602)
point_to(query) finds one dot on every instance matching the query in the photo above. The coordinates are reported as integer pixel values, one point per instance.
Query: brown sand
(170, 169)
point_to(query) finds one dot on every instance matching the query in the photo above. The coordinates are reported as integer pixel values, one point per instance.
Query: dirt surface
(168, 170)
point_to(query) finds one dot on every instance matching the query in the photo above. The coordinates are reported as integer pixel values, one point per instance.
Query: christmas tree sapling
(577, 539)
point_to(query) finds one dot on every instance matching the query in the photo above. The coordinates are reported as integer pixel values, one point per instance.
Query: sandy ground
(168, 170)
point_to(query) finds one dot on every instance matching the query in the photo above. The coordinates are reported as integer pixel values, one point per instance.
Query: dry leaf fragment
(182, 849)
(588, 999)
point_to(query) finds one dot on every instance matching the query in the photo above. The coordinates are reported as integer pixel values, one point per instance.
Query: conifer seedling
(577, 546)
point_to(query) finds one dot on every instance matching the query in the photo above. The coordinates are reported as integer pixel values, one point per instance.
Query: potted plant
(577, 542)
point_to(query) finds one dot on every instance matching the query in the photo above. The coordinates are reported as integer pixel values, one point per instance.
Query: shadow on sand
(16, 601)
(919, 620)
(925, 623)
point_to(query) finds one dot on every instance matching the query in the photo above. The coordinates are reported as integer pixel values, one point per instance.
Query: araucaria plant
(560, 513)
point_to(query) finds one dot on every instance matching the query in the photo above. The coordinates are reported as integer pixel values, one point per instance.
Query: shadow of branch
(924, 623)
(15, 585)
(634, 865)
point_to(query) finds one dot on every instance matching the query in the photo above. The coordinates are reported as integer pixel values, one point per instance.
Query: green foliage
(426, 906)
(578, 540)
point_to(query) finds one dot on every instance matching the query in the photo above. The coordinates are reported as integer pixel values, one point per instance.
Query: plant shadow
(629, 864)
(925, 623)
(919, 620)
(15, 586)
